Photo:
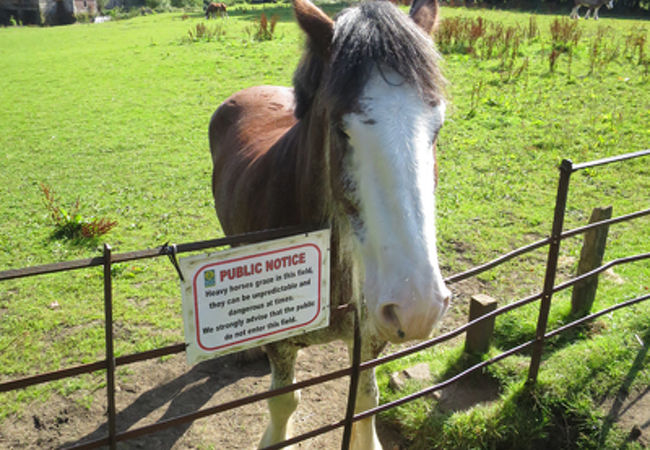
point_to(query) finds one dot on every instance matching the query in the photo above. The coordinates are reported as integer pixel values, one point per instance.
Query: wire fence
(111, 362)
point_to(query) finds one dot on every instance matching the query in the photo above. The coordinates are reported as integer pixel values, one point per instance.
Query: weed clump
(264, 29)
(69, 223)
(565, 35)
(202, 32)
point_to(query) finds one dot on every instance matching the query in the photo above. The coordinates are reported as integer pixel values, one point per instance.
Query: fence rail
(110, 363)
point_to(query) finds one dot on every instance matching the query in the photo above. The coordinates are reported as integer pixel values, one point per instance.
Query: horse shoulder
(248, 129)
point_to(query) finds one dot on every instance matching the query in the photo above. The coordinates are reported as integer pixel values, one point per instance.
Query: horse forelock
(374, 34)
(378, 35)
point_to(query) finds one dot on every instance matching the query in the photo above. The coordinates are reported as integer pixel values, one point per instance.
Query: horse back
(252, 142)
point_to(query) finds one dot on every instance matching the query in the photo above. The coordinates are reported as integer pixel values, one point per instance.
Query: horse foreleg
(574, 12)
(595, 15)
(283, 359)
(589, 11)
(364, 433)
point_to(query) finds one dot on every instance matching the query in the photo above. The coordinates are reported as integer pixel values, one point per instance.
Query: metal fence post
(354, 383)
(110, 356)
(566, 169)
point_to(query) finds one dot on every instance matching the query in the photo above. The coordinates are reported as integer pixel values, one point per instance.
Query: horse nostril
(389, 315)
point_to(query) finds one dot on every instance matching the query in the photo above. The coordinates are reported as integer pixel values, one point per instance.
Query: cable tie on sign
(170, 251)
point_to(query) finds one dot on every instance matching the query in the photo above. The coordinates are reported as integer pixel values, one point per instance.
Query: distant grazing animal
(593, 5)
(216, 8)
(351, 147)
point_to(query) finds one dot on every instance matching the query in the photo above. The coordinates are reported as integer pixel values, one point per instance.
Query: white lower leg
(364, 433)
(280, 408)
(282, 358)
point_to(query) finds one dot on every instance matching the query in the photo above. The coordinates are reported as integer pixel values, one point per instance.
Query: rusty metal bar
(496, 262)
(245, 238)
(354, 383)
(535, 245)
(50, 268)
(580, 321)
(634, 215)
(613, 159)
(436, 387)
(110, 355)
(597, 270)
(88, 368)
(51, 376)
(566, 168)
(150, 354)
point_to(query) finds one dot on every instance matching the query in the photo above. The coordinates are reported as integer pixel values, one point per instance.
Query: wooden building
(50, 12)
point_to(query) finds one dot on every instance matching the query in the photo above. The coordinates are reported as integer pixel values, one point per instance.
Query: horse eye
(341, 132)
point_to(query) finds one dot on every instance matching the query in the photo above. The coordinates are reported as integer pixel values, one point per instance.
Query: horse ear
(318, 26)
(425, 14)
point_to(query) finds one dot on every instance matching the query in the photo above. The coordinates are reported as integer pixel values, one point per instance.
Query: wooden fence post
(591, 256)
(479, 335)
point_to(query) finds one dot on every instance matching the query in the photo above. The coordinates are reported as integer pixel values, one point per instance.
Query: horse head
(372, 78)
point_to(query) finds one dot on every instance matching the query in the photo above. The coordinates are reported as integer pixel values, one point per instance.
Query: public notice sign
(251, 295)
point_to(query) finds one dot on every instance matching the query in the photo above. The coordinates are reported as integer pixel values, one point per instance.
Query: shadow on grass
(622, 395)
(527, 418)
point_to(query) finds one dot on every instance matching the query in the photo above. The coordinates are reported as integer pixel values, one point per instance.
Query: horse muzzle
(412, 317)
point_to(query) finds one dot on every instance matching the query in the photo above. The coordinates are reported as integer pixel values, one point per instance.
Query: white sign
(251, 295)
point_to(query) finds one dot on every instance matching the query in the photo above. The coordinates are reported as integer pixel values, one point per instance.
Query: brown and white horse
(352, 147)
(593, 5)
(216, 8)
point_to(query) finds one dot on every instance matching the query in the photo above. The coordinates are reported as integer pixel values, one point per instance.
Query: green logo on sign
(209, 278)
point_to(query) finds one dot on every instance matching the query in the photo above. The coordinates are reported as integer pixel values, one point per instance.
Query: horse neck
(312, 169)
(316, 200)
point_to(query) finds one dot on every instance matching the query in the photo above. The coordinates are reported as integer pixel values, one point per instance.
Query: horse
(593, 5)
(216, 8)
(350, 147)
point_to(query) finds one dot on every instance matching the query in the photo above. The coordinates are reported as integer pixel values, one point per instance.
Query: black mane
(374, 34)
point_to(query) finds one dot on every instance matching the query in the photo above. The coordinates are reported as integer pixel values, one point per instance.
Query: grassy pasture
(116, 115)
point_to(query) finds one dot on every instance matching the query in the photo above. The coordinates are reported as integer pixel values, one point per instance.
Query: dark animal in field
(216, 8)
(350, 147)
(593, 5)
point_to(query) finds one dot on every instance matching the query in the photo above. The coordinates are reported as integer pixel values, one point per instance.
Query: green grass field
(115, 115)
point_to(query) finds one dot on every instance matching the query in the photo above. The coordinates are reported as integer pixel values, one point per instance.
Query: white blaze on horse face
(392, 166)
